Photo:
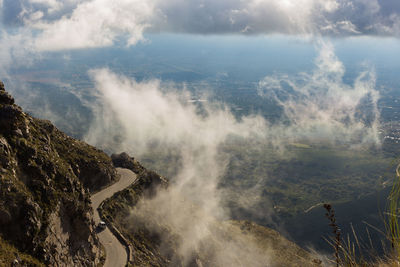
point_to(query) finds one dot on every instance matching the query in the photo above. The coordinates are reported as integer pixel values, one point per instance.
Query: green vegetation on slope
(8, 254)
(156, 242)
(45, 177)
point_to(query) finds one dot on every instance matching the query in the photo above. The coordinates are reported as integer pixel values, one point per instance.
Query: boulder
(6, 98)
(122, 160)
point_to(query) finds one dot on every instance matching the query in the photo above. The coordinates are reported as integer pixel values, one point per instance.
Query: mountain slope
(46, 218)
(156, 243)
(45, 178)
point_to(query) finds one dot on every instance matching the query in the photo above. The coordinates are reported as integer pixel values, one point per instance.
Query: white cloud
(341, 27)
(54, 9)
(143, 116)
(96, 23)
(36, 16)
(320, 106)
(389, 26)
(254, 16)
(51, 5)
(161, 117)
(371, 6)
(79, 24)
(76, 24)
(146, 118)
(16, 50)
(315, 17)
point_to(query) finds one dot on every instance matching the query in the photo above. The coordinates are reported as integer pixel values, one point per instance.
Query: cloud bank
(316, 106)
(95, 24)
(60, 25)
(77, 24)
(300, 17)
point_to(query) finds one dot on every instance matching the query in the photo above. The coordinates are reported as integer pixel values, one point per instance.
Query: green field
(292, 180)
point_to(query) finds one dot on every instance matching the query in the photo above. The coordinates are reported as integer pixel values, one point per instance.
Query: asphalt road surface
(115, 251)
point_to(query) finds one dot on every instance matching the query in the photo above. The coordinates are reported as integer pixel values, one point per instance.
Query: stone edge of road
(117, 234)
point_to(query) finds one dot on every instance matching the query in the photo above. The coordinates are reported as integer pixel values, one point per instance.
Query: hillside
(156, 242)
(46, 219)
(45, 179)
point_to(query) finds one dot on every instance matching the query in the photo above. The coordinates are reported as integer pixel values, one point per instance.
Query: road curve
(115, 251)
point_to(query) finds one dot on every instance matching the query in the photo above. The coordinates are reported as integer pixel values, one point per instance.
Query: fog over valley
(244, 123)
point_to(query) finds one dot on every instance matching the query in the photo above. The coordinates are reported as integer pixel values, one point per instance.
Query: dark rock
(96, 173)
(9, 117)
(48, 126)
(18, 132)
(6, 98)
(123, 160)
(41, 167)
(5, 217)
(4, 154)
(150, 180)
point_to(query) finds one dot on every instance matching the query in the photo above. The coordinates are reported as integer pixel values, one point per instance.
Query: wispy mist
(320, 106)
(148, 117)
(143, 116)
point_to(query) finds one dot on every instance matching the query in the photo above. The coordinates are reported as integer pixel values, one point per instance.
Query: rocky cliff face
(45, 177)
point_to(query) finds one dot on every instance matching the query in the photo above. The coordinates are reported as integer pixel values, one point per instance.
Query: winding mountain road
(115, 251)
